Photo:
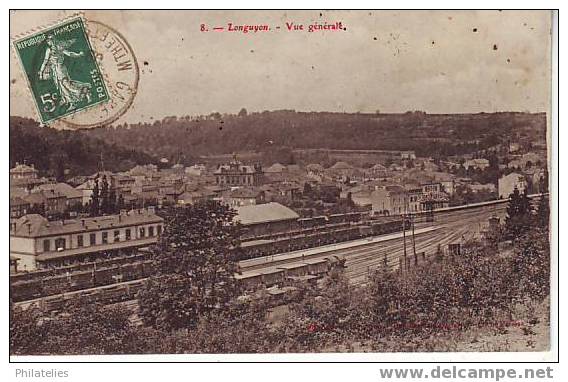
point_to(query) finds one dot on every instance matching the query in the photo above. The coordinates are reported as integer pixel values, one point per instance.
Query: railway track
(362, 259)
(366, 256)
(358, 270)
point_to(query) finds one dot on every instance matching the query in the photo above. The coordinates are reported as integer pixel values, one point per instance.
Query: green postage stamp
(61, 69)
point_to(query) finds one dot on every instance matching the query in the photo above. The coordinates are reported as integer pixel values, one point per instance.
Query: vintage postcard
(277, 182)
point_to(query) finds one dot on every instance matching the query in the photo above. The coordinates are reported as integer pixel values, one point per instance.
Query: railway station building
(37, 243)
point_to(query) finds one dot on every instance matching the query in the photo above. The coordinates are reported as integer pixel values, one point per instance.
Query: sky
(391, 61)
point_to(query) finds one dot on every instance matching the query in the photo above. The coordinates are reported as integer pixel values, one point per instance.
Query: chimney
(82, 222)
(29, 228)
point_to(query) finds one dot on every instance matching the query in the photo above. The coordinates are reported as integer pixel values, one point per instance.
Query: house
(429, 188)
(18, 192)
(341, 167)
(243, 197)
(120, 181)
(196, 170)
(143, 170)
(390, 200)
(509, 182)
(378, 171)
(23, 171)
(375, 184)
(477, 163)
(195, 196)
(315, 171)
(433, 197)
(73, 197)
(414, 196)
(38, 243)
(36, 202)
(18, 207)
(48, 202)
(446, 180)
(237, 174)
(407, 155)
(477, 187)
(396, 167)
(352, 190)
(525, 161)
(276, 168)
(25, 177)
(288, 190)
(86, 190)
(168, 194)
(343, 172)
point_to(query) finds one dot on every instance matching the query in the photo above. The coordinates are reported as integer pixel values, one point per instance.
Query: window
(116, 235)
(93, 239)
(127, 232)
(80, 241)
(142, 232)
(159, 230)
(59, 244)
(46, 245)
(105, 237)
(151, 231)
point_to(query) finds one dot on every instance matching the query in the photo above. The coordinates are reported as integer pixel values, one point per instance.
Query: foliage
(409, 310)
(197, 254)
(65, 153)
(241, 328)
(543, 212)
(426, 134)
(26, 330)
(519, 215)
(169, 302)
(104, 199)
(463, 195)
(532, 263)
(82, 328)
(323, 315)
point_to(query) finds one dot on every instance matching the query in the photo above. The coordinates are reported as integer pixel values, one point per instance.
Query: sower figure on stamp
(53, 68)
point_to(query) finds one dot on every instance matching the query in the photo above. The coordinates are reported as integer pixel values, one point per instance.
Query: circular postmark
(120, 72)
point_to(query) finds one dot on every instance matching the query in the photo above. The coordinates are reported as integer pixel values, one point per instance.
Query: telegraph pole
(413, 239)
(404, 233)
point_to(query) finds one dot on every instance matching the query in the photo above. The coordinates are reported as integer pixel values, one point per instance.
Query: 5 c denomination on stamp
(61, 70)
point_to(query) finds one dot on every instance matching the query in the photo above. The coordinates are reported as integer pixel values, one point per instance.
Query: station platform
(306, 253)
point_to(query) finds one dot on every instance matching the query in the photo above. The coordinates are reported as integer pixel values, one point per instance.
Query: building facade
(237, 174)
(38, 243)
(508, 183)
